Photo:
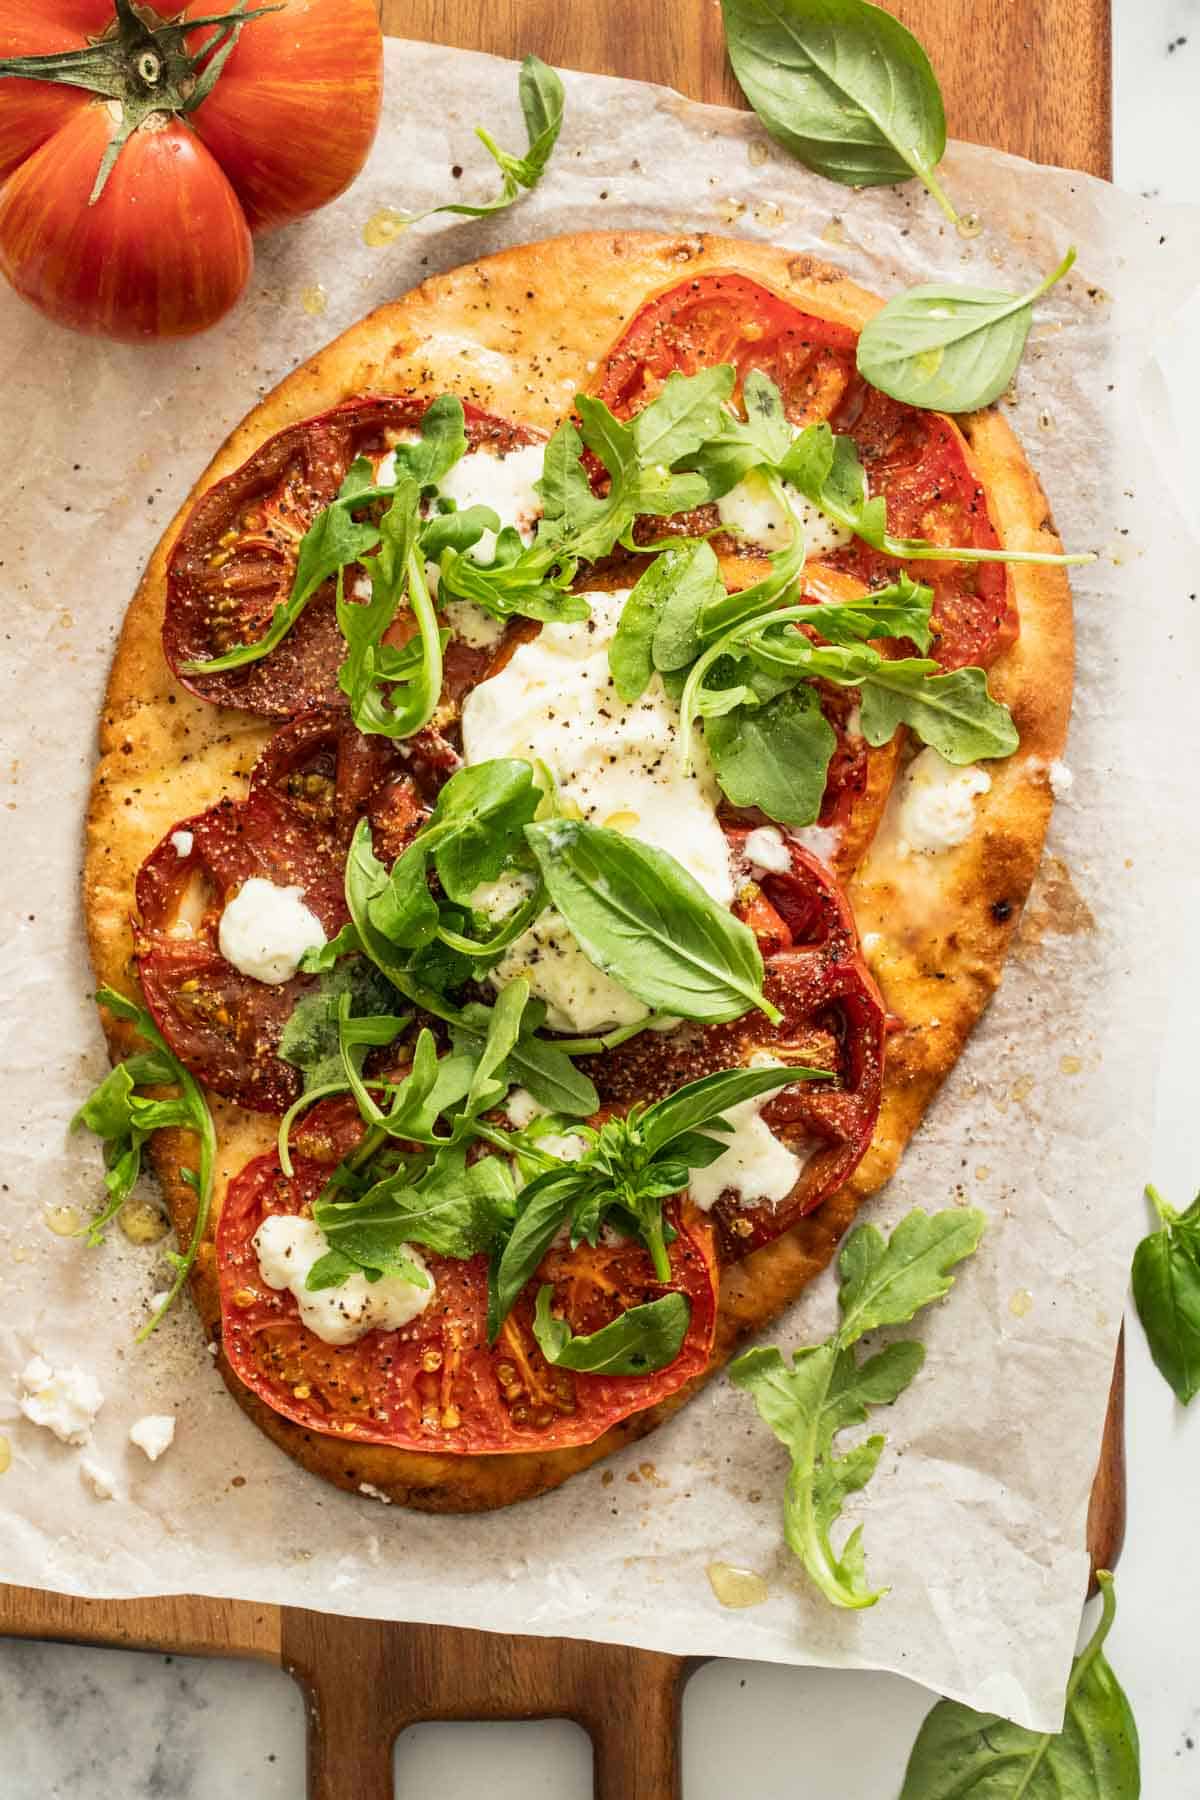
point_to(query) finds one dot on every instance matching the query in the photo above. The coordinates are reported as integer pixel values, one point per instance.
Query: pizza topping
(756, 1167)
(934, 805)
(750, 509)
(289, 1248)
(503, 481)
(265, 931)
(766, 849)
(443, 1382)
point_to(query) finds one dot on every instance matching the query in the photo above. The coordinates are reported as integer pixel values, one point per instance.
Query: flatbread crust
(519, 333)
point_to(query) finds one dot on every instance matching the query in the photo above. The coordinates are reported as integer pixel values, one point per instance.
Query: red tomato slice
(332, 775)
(833, 1018)
(225, 1026)
(436, 1385)
(918, 460)
(236, 555)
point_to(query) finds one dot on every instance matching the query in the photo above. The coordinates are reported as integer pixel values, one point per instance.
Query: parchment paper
(976, 1515)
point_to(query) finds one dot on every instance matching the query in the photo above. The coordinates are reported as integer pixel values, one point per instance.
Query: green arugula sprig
(826, 1389)
(125, 1119)
(961, 1754)
(1166, 1292)
(639, 1341)
(540, 91)
(631, 1166)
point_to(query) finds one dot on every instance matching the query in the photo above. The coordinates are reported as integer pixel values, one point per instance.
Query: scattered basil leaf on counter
(639, 1341)
(965, 1755)
(639, 916)
(1166, 1292)
(124, 1119)
(540, 91)
(952, 349)
(825, 1388)
(843, 86)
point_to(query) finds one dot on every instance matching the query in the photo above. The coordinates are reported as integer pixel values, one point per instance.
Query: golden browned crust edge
(516, 333)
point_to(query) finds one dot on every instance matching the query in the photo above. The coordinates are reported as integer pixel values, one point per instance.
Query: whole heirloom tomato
(139, 152)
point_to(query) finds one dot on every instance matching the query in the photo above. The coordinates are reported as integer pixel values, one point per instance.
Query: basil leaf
(825, 1389)
(775, 756)
(488, 1084)
(658, 623)
(954, 713)
(960, 1754)
(843, 86)
(542, 101)
(1166, 1292)
(332, 540)
(646, 922)
(641, 1340)
(702, 1102)
(478, 822)
(544, 1205)
(124, 1119)
(953, 349)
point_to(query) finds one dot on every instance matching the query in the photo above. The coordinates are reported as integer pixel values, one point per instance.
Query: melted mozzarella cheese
(287, 1247)
(505, 483)
(935, 804)
(555, 702)
(757, 1166)
(64, 1401)
(821, 841)
(265, 930)
(470, 623)
(750, 508)
(766, 849)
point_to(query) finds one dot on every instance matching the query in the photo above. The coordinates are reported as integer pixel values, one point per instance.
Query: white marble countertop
(79, 1724)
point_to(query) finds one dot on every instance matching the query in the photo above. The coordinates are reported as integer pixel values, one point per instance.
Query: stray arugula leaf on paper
(826, 1388)
(965, 1755)
(1166, 1292)
(541, 95)
(125, 1119)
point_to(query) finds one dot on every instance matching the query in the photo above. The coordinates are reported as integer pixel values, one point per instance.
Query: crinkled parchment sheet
(976, 1516)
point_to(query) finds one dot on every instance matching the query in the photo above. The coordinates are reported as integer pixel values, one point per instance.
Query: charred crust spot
(1002, 911)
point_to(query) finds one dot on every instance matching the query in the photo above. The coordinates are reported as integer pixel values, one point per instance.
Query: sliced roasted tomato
(223, 1025)
(729, 319)
(332, 775)
(918, 460)
(833, 1018)
(436, 1384)
(236, 555)
(920, 463)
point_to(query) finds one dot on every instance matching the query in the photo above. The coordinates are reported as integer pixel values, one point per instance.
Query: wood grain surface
(1030, 76)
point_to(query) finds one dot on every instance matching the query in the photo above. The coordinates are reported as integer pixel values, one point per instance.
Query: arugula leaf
(775, 756)
(952, 349)
(124, 1119)
(1166, 1292)
(535, 1063)
(961, 1754)
(640, 917)
(843, 86)
(825, 1388)
(826, 469)
(456, 1210)
(639, 1341)
(442, 442)
(739, 445)
(392, 693)
(543, 1206)
(542, 101)
(479, 818)
(954, 713)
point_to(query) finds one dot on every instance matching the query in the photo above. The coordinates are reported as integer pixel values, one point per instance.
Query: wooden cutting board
(1031, 76)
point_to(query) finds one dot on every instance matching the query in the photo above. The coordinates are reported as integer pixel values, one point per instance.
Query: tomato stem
(145, 68)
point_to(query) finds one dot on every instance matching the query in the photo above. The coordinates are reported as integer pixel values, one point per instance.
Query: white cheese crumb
(182, 842)
(373, 1493)
(265, 930)
(766, 849)
(936, 804)
(64, 1401)
(287, 1247)
(153, 1434)
(1061, 779)
(102, 1483)
(522, 1109)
